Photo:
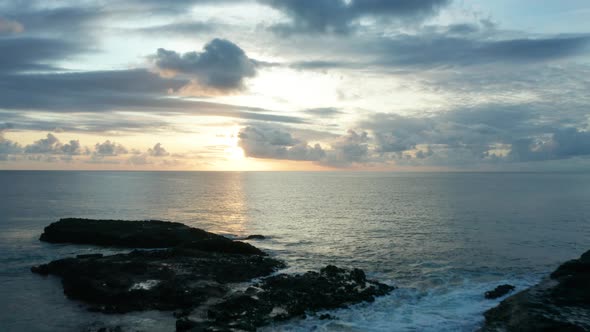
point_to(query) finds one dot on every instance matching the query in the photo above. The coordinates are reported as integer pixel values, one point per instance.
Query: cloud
(134, 90)
(158, 151)
(7, 147)
(342, 17)
(156, 156)
(324, 112)
(52, 145)
(108, 148)
(140, 159)
(185, 29)
(222, 65)
(428, 50)
(486, 134)
(563, 143)
(348, 149)
(34, 53)
(72, 148)
(51, 150)
(272, 142)
(494, 134)
(8, 27)
(64, 20)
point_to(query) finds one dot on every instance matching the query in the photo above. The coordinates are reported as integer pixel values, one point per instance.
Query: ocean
(442, 238)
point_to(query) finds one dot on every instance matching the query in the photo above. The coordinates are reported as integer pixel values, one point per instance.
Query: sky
(376, 85)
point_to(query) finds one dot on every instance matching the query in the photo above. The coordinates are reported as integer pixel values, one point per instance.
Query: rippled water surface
(442, 238)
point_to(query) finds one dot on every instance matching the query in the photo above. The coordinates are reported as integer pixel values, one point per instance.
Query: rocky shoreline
(211, 283)
(560, 302)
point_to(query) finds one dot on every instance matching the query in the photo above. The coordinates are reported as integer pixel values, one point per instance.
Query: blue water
(442, 238)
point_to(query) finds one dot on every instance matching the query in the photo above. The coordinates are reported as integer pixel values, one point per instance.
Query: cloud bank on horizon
(335, 84)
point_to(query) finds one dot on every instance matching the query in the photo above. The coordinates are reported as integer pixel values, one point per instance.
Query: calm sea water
(442, 238)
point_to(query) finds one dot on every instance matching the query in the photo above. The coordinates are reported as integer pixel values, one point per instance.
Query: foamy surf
(459, 307)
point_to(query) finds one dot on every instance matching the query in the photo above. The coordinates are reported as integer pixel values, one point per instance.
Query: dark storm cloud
(341, 17)
(222, 65)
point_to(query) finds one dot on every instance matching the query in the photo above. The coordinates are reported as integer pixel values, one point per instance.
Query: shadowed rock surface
(195, 273)
(255, 237)
(154, 279)
(499, 291)
(558, 303)
(285, 296)
(141, 234)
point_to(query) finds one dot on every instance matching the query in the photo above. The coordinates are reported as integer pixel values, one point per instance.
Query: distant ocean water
(442, 238)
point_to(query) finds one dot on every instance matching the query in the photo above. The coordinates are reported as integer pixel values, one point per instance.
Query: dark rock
(89, 256)
(499, 291)
(191, 273)
(558, 303)
(141, 234)
(327, 316)
(255, 237)
(184, 324)
(224, 245)
(41, 269)
(154, 279)
(285, 296)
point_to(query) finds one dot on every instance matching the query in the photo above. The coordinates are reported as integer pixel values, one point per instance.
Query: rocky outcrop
(154, 279)
(285, 296)
(141, 234)
(559, 303)
(499, 291)
(195, 273)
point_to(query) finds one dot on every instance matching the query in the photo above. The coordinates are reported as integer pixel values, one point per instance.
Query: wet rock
(558, 303)
(255, 237)
(192, 273)
(141, 234)
(224, 245)
(89, 256)
(285, 296)
(327, 316)
(184, 324)
(154, 279)
(499, 291)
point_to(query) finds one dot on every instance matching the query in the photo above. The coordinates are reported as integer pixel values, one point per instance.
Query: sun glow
(233, 151)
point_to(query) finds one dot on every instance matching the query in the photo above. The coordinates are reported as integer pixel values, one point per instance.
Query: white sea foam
(144, 285)
(459, 308)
